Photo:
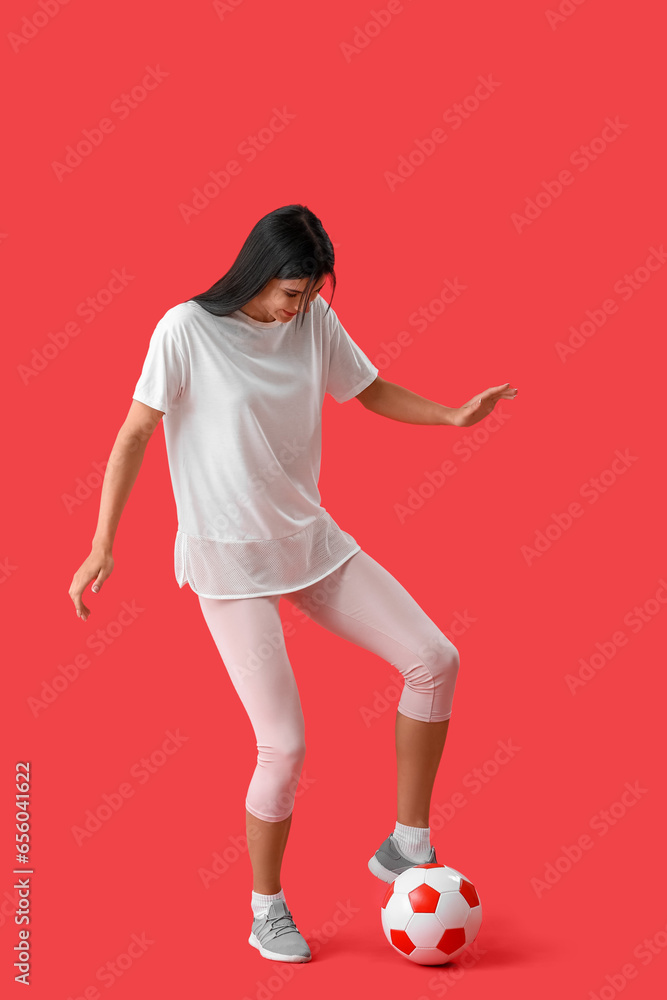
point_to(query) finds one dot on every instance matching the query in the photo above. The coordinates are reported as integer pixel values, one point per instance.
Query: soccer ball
(431, 913)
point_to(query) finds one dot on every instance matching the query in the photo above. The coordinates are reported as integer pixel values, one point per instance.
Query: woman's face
(280, 299)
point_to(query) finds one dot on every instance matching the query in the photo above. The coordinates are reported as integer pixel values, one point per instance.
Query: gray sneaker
(388, 862)
(276, 936)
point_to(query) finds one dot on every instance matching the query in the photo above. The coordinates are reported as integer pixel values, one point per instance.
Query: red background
(460, 551)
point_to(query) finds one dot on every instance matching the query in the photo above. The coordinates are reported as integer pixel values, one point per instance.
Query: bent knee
(441, 657)
(288, 752)
(294, 751)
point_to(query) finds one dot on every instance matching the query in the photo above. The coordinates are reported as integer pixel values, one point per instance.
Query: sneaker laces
(277, 928)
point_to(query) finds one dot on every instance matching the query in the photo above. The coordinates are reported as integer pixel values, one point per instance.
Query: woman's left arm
(398, 403)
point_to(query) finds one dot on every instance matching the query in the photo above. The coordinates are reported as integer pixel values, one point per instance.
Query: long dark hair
(289, 242)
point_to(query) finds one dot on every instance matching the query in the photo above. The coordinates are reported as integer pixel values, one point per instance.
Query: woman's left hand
(481, 405)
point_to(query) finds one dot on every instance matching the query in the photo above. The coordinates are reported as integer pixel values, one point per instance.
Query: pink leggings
(360, 601)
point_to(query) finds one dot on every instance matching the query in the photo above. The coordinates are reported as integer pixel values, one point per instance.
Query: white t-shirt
(242, 403)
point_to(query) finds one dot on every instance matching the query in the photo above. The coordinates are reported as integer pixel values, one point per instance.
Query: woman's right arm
(119, 476)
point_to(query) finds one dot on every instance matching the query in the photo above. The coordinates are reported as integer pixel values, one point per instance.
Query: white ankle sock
(414, 842)
(261, 903)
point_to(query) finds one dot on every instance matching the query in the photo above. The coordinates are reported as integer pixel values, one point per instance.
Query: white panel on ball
(442, 879)
(473, 923)
(410, 879)
(398, 911)
(425, 930)
(452, 910)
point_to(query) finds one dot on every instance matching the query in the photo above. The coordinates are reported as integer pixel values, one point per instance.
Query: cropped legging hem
(266, 817)
(360, 601)
(419, 717)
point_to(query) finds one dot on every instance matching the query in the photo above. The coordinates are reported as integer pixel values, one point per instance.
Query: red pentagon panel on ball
(469, 893)
(401, 941)
(387, 896)
(451, 940)
(424, 898)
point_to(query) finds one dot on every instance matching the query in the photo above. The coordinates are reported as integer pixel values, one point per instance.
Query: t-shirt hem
(273, 593)
(141, 398)
(366, 381)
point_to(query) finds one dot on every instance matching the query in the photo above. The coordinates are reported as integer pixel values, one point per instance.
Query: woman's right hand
(98, 566)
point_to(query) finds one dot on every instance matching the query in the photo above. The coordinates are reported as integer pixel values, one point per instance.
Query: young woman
(239, 374)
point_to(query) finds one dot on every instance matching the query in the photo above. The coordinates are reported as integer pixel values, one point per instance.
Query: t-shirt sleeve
(163, 377)
(350, 370)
